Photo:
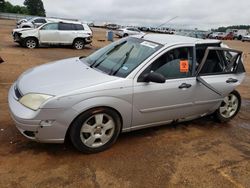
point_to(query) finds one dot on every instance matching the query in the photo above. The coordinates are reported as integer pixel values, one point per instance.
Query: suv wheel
(125, 35)
(229, 108)
(95, 130)
(30, 43)
(79, 44)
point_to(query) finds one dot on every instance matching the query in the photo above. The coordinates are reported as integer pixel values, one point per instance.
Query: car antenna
(162, 25)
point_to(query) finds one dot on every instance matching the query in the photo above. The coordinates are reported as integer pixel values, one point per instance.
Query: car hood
(23, 29)
(61, 77)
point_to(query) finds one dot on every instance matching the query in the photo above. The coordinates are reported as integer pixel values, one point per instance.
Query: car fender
(124, 108)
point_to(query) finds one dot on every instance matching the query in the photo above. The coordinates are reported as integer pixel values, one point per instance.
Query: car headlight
(33, 100)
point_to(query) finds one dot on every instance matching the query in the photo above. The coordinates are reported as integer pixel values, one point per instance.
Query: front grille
(17, 93)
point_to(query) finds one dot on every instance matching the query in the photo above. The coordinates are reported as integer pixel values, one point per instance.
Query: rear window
(66, 26)
(79, 27)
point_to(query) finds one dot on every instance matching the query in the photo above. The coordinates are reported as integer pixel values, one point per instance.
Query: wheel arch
(79, 38)
(93, 108)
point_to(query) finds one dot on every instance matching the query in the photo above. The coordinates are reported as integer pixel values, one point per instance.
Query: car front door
(160, 103)
(49, 34)
(219, 73)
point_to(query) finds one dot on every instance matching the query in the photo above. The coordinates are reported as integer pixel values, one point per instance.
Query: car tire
(229, 107)
(125, 35)
(95, 130)
(78, 44)
(30, 43)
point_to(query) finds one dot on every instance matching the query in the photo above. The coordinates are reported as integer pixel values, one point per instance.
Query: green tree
(35, 7)
(2, 3)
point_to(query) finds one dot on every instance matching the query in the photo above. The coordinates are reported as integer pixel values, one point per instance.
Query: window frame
(221, 49)
(141, 73)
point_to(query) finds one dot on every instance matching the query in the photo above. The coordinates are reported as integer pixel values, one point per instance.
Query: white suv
(60, 33)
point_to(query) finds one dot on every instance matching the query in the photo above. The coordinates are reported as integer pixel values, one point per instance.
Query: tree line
(30, 7)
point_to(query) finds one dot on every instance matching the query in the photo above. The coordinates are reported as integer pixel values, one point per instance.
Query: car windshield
(122, 57)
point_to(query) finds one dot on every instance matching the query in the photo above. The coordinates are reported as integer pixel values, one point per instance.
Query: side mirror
(154, 77)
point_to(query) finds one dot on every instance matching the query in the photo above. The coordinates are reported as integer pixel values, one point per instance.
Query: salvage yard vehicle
(133, 83)
(246, 38)
(124, 32)
(33, 22)
(56, 33)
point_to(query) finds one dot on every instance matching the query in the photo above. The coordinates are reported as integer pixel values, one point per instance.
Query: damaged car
(133, 83)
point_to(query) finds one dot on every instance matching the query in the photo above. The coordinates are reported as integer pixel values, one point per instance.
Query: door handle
(231, 80)
(185, 85)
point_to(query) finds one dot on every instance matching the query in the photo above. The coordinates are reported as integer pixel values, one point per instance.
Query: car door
(219, 73)
(67, 33)
(159, 103)
(49, 34)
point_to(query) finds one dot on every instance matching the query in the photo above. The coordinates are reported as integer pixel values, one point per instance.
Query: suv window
(40, 21)
(51, 26)
(79, 27)
(66, 26)
(176, 63)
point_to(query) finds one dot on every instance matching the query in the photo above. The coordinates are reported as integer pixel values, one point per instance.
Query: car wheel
(125, 35)
(79, 44)
(30, 43)
(95, 130)
(229, 107)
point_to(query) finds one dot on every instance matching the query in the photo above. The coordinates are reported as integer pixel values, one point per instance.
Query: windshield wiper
(116, 47)
(112, 72)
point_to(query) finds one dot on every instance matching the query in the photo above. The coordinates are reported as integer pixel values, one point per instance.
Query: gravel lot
(200, 153)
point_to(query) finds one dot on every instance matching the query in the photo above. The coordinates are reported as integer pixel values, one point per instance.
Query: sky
(189, 14)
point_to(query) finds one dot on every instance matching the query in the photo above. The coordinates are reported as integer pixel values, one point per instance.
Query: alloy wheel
(229, 106)
(97, 130)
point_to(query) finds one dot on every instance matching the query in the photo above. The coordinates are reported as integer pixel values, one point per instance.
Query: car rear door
(67, 33)
(219, 73)
(159, 103)
(49, 34)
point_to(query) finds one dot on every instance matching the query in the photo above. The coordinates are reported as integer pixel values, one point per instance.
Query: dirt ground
(200, 153)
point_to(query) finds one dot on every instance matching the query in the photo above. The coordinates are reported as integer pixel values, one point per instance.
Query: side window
(176, 63)
(66, 26)
(79, 27)
(51, 26)
(40, 21)
(214, 63)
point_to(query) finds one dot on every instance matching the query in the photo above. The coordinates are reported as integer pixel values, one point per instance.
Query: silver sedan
(133, 83)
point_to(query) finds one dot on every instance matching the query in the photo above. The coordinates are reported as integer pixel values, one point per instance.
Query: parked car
(34, 22)
(246, 38)
(19, 22)
(128, 31)
(56, 33)
(133, 83)
(228, 36)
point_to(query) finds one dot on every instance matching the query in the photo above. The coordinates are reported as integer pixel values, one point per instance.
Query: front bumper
(17, 37)
(31, 123)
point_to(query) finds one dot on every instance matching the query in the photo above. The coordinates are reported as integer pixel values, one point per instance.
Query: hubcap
(31, 43)
(79, 45)
(97, 130)
(229, 106)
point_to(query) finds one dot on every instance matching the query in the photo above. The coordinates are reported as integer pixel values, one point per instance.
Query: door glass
(52, 26)
(66, 27)
(176, 63)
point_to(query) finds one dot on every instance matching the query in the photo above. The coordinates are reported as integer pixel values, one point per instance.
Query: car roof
(166, 39)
